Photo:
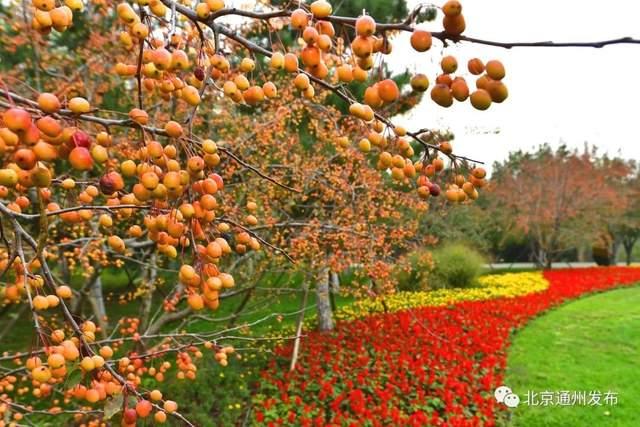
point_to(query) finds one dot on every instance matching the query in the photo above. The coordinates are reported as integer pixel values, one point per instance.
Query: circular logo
(501, 392)
(512, 400)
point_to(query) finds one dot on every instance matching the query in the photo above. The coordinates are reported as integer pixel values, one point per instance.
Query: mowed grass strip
(592, 344)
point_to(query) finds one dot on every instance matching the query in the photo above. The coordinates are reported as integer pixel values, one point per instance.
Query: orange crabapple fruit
(452, 8)
(321, 8)
(454, 24)
(475, 66)
(421, 40)
(299, 19)
(441, 95)
(480, 99)
(495, 70)
(449, 64)
(365, 26)
(388, 90)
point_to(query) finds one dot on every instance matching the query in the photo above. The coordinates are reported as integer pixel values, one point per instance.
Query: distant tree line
(550, 205)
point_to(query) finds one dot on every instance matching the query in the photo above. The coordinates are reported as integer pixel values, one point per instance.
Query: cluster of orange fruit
(47, 16)
(203, 288)
(490, 87)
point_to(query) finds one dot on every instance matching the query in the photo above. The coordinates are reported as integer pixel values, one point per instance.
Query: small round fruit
(277, 61)
(498, 91)
(460, 90)
(139, 116)
(475, 66)
(8, 177)
(388, 90)
(143, 408)
(420, 83)
(480, 99)
(454, 25)
(321, 8)
(25, 158)
(80, 159)
(56, 360)
(495, 70)
(79, 105)
(421, 40)
(40, 302)
(41, 374)
(49, 103)
(365, 26)
(130, 416)
(299, 19)
(160, 417)
(449, 64)
(195, 301)
(170, 406)
(92, 395)
(88, 364)
(64, 292)
(17, 119)
(452, 8)
(441, 95)
(173, 129)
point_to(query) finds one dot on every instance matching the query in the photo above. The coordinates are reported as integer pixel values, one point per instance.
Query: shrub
(456, 266)
(412, 272)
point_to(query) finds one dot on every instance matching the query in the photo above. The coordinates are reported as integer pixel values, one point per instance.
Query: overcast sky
(555, 94)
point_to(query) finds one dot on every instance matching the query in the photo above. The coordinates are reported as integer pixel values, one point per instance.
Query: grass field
(592, 344)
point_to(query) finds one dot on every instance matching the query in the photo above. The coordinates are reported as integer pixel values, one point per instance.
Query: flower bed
(424, 366)
(508, 285)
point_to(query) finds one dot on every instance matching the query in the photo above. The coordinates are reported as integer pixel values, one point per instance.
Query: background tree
(549, 195)
(624, 219)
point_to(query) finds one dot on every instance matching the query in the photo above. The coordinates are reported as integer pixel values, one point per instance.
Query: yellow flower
(508, 285)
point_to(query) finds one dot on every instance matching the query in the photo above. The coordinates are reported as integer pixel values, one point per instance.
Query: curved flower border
(435, 365)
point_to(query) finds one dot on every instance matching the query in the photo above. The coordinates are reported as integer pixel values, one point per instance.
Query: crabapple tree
(182, 137)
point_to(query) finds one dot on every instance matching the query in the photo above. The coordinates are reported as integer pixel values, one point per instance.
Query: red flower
(427, 366)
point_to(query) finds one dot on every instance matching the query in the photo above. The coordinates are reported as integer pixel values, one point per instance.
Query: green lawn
(218, 396)
(588, 345)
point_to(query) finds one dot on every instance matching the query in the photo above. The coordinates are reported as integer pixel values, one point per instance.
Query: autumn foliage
(177, 141)
(557, 198)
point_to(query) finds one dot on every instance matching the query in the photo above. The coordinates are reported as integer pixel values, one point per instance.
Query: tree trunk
(334, 288)
(149, 282)
(542, 258)
(323, 302)
(296, 344)
(628, 245)
(96, 299)
(614, 251)
(546, 259)
(582, 253)
(335, 282)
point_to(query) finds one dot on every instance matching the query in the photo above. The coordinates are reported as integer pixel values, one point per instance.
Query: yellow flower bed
(509, 285)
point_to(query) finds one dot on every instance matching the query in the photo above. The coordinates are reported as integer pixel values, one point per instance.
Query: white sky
(570, 95)
(555, 94)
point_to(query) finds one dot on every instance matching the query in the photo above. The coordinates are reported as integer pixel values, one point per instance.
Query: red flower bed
(429, 366)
